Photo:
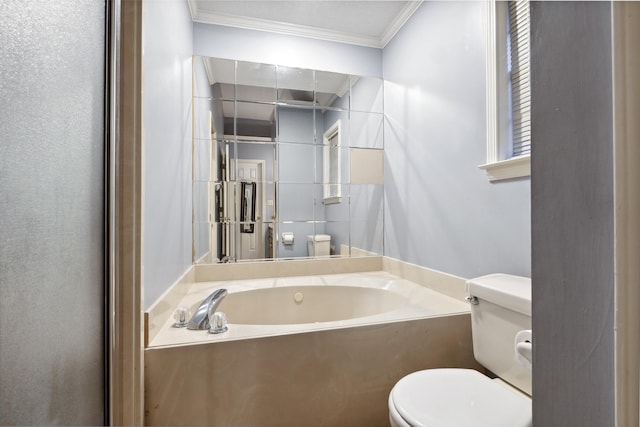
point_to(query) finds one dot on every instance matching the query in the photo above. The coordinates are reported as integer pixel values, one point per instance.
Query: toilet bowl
(456, 398)
(452, 397)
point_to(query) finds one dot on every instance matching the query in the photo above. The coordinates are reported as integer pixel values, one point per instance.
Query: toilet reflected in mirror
(319, 245)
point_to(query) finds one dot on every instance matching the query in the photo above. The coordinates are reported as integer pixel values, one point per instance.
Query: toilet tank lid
(513, 292)
(319, 237)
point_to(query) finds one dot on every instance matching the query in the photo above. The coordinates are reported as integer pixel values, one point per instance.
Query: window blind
(519, 61)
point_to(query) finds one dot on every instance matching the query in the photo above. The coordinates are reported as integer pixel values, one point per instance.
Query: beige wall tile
(444, 283)
(331, 378)
(164, 307)
(286, 268)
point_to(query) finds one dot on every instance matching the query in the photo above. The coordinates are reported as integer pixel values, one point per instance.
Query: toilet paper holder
(287, 238)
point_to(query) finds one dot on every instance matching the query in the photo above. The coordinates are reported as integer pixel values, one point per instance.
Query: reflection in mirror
(271, 162)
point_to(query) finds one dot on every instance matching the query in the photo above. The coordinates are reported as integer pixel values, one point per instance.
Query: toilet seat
(457, 397)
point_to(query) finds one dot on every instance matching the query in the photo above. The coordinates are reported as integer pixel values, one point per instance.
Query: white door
(250, 229)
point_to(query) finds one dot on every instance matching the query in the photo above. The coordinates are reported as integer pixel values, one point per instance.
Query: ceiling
(360, 22)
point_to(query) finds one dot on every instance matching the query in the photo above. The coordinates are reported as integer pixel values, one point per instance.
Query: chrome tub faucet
(200, 319)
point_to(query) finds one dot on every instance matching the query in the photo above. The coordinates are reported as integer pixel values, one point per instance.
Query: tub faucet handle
(181, 316)
(218, 323)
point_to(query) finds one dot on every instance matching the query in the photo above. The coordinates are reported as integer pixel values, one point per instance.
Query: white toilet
(319, 245)
(501, 329)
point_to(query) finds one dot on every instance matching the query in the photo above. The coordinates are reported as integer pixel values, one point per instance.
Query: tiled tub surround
(333, 373)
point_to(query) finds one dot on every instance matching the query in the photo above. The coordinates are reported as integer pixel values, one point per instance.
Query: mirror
(276, 170)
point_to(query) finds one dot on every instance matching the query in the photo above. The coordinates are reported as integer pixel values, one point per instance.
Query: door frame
(625, 28)
(124, 337)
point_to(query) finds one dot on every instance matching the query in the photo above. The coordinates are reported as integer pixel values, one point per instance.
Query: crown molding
(284, 28)
(228, 20)
(399, 21)
(193, 8)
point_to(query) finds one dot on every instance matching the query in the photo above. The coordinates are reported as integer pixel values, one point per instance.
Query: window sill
(515, 167)
(331, 200)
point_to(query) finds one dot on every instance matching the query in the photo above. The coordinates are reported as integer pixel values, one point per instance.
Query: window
(331, 164)
(508, 90)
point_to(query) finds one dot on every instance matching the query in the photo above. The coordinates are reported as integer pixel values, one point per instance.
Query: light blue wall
(440, 210)
(167, 36)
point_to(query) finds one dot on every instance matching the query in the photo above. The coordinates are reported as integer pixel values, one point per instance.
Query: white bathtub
(287, 305)
(277, 306)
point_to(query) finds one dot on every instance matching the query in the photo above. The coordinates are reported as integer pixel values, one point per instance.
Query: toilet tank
(503, 309)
